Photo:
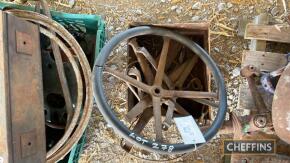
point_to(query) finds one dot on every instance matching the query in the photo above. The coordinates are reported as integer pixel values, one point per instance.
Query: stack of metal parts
(268, 120)
(46, 93)
(183, 71)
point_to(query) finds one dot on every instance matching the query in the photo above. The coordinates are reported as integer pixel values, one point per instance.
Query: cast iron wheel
(156, 92)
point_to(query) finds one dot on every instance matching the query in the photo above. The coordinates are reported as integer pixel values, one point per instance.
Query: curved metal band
(88, 102)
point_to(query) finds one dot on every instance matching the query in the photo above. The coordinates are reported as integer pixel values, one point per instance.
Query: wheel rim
(121, 128)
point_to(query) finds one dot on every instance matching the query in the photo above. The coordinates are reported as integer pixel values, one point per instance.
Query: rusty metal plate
(24, 84)
(28, 143)
(281, 106)
(24, 43)
(5, 143)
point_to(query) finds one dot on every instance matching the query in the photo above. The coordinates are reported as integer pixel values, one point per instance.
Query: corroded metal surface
(163, 80)
(25, 87)
(281, 106)
(5, 136)
(73, 132)
(261, 116)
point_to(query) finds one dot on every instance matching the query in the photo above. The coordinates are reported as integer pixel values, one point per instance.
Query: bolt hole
(157, 91)
(24, 42)
(29, 143)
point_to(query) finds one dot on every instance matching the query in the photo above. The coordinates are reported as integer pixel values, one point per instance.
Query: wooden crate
(199, 33)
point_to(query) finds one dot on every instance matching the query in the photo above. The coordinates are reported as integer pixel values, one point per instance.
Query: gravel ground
(226, 49)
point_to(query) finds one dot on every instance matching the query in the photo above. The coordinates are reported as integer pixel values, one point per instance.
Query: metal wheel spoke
(135, 72)
(128, 79)
(192, 62)
(162, 61)
(142, 61)
(179, 108)
(151, 60)
(157, 118)
(188, 94)
(169, 114)
(140, 125)
(139, 108)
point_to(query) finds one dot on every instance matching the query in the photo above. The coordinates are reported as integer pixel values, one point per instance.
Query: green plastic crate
(93, 27)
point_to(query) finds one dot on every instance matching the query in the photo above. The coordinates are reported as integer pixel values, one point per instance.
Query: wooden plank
(268, 33)
(259, 45)
(266, 61)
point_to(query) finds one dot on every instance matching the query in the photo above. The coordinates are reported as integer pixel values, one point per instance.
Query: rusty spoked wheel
(154, 93)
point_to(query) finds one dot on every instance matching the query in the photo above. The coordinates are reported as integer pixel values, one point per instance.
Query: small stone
(109, 126)
(118, 28)
(163, 1)
(235, 92)
(169, 20)
(139, 12)
(135, 19)
(234, 49)
(236, 9)
(229, 103)
(229, 5)
(251, 8)
(114, 67)
(196, 6)
(110, 28)
(174, 8)
(195, 18)
(236, 82)
(231, 97)
(179, 10)
(275, 11)
(122, 19)
(111, 79)
(236, 72)
(221, 6)
(216, 49)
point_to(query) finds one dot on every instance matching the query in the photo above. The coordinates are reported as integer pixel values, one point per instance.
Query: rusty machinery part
(73, 132)
(281, 106)
(72, 60)
(261, 116)
(59, 67)
(156, 91)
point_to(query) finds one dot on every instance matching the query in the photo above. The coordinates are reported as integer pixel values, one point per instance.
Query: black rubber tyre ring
(119, 127)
